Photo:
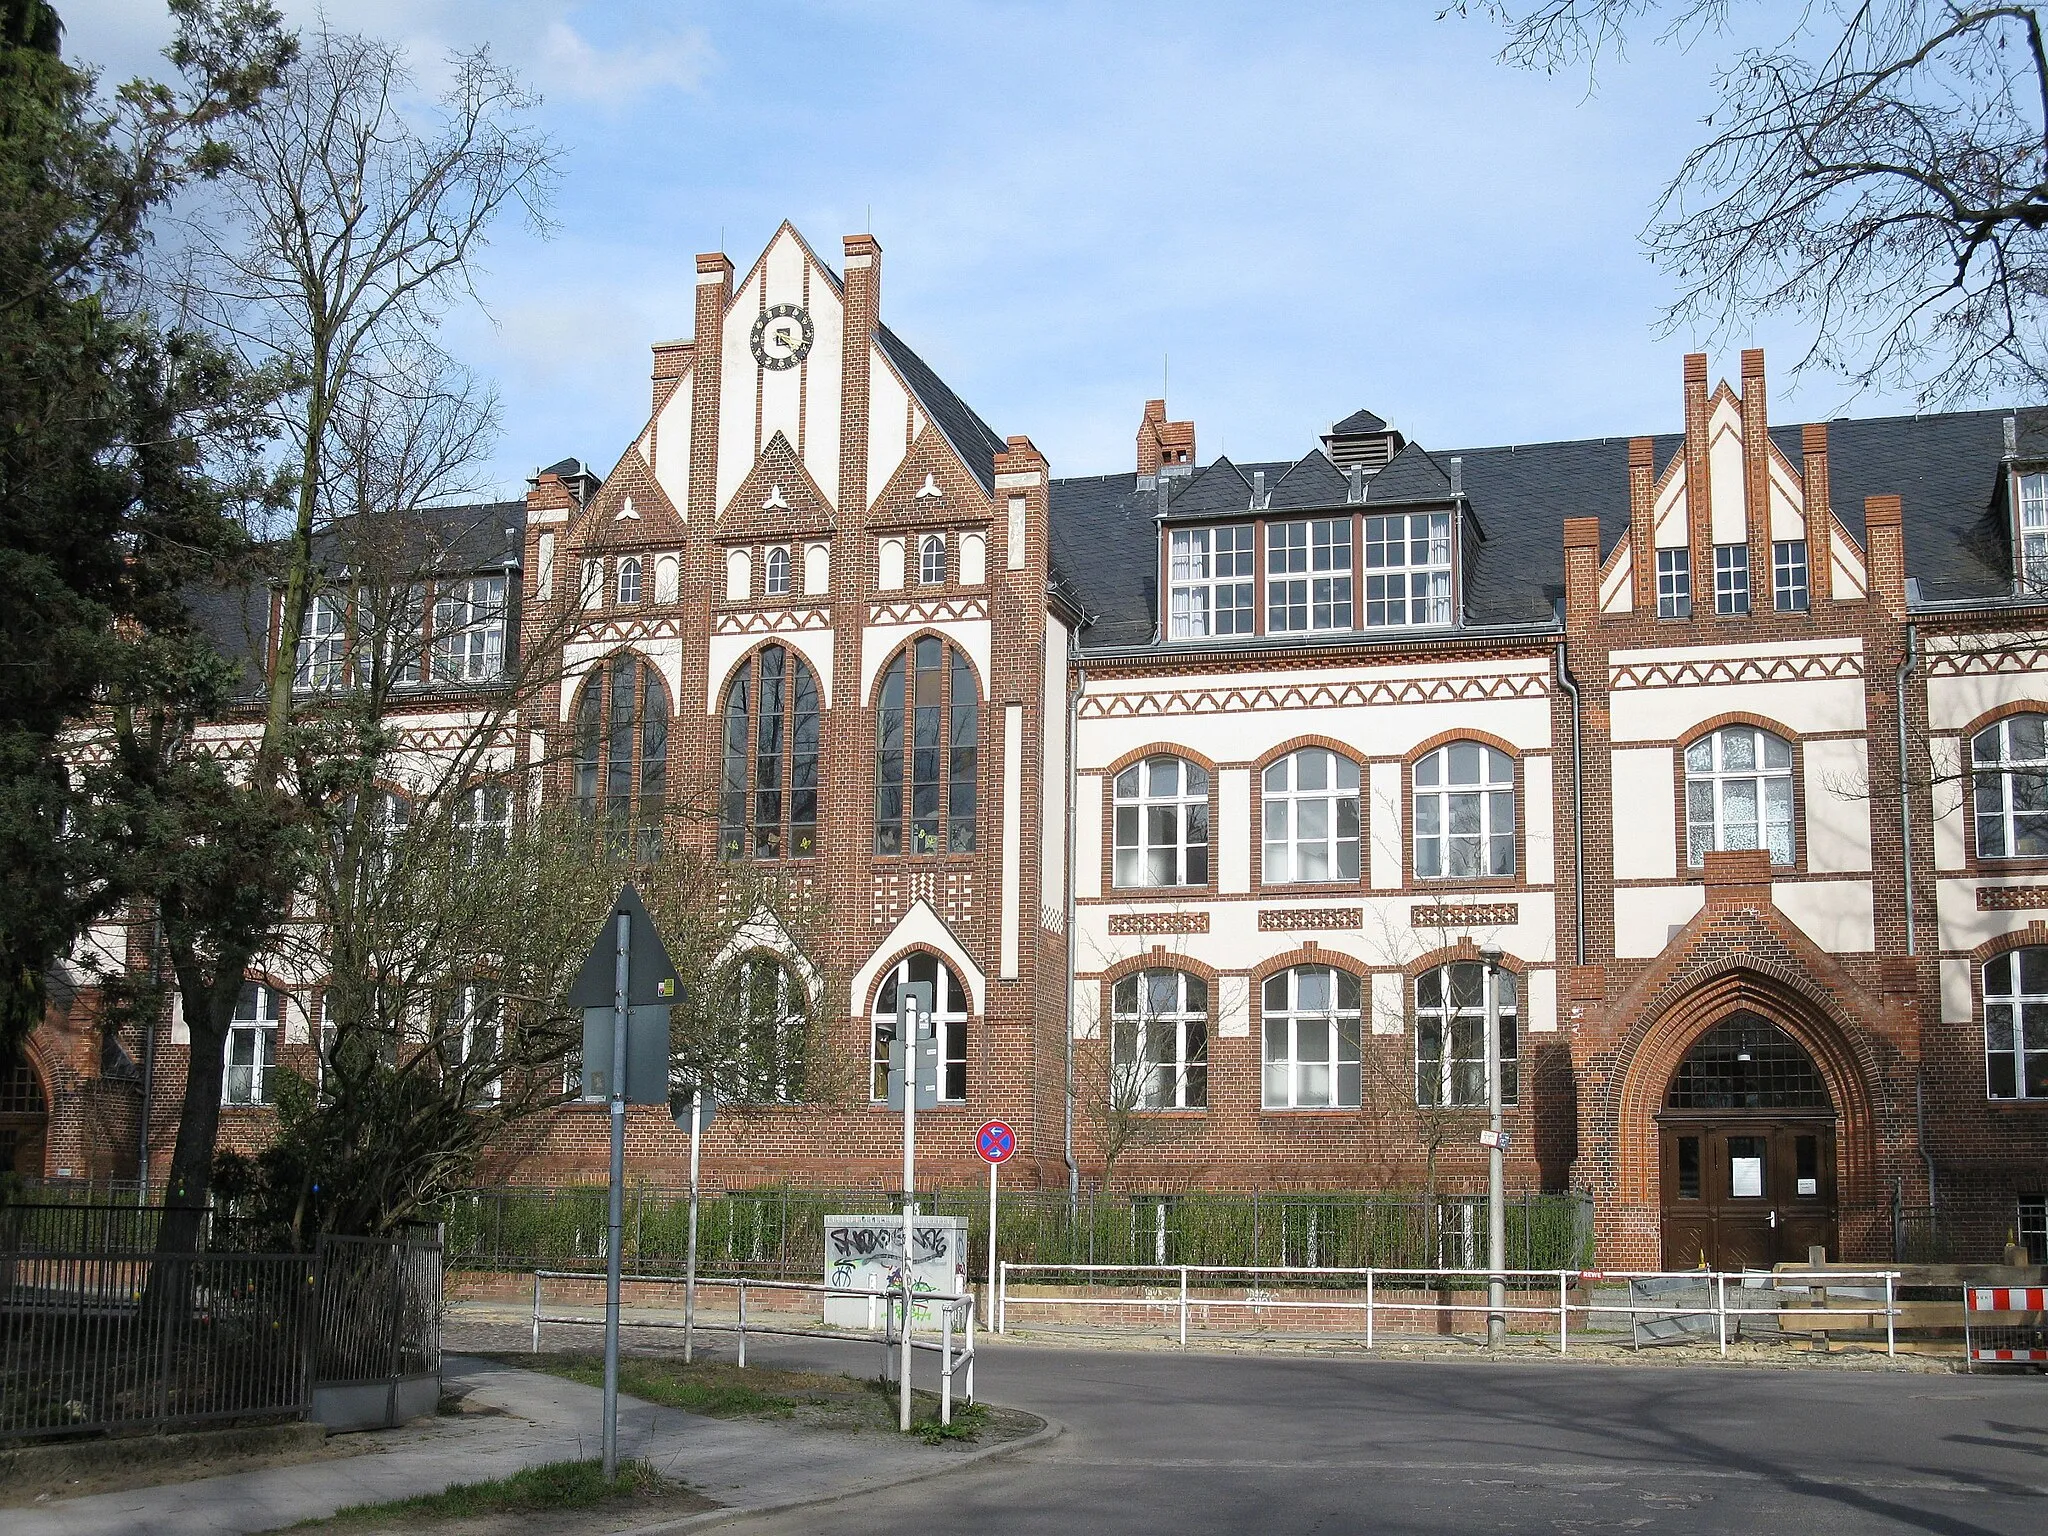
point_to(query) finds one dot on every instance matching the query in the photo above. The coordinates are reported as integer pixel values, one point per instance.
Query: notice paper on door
(1746, 1177)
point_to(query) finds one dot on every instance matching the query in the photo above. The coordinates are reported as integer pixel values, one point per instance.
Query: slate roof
(972, 438)
(1946, 468)
(1357, 424)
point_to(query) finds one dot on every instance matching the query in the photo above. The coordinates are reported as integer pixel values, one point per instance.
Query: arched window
(2016, 1024)
(1162, 824)
(1159, 1041)
(768, 792)
(1746, 1062)
(2009, 775)
(949, 1022)
(622, 753)
(629, 582)
(1311, 1019)
(1311, 817)
(931, 559)
(773, 1029)
(777, 577)
(1738, 794)
(1450, 1036)
(252, 1045)
(927, 738)
(1465, 813)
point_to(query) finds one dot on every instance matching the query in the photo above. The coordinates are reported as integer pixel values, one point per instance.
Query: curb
(1052, 1430)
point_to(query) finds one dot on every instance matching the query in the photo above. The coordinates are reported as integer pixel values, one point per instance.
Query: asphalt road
(1193, 1445)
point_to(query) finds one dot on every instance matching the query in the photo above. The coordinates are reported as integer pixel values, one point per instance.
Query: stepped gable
(973, 439)
(804, 507)
(1313, 482)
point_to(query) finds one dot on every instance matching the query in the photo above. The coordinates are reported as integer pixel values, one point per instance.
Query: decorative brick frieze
(1483, 914)
(2012, 898)
(1987, 659)
(936, 610)
(1138, 924)
(771, 621)
(1405, 690)
(1720, 671)
(1310, 919)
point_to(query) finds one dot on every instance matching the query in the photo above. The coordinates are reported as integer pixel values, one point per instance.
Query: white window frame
(1731, 579)
(775, 573)
(1464, 807)
(1159, 1040)
(1308, 575)
(931, 560)
(1711, 784)
(1450, 1036)
(483, 820)
(1156, 824)
(593, 584)
(253, 1036)
(1674, 583)
(1791, 580)
(1212, 581)
(2016, 1025)
(1295, 1074)
(2033, 531)
(322, 661)
(469, 628)
(629, 582)
(476, 1014)
(789, 1016)
(1407, 570)
(1318, 825)
(2006, 770)
(950, 1016)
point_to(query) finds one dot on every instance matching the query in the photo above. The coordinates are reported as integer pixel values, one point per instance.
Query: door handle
(1774, 1218)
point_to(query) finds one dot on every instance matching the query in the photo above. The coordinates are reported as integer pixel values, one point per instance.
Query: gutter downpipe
(1570, 686)
(1906, 665)
(1077, 679)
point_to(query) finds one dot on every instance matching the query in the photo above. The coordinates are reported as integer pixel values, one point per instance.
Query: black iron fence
(778, 1231)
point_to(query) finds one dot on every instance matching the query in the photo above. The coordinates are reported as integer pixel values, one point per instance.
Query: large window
(949, 1022)
(469, 628)
(1450, 1036)
(1162, 824)
(474, 1042)
(1788, 575)
(323, 643)
(768, 791)
(1209, 573)
(1408, 569)
(1308, 575)
(773, 1028)
(2009, 786)
(2034, 531)
(483, 821)
(1738, 794)
(1311, 818)
(1674, 583)
(621, 724)
(1310, 1016)
(927, 751)
(2016, 1025)
(1465, 813)
(252, 1045)
(1731, 578)
(1159, 1041)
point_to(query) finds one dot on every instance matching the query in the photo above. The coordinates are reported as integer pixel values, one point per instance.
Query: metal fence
(778, 1231)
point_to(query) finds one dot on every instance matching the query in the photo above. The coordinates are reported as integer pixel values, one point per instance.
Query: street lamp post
(1496, 1164)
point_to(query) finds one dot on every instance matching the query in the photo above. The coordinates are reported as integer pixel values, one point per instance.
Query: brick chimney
(671, 362)
(1164, 447)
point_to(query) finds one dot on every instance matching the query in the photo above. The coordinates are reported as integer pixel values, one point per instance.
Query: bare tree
(1881, 174)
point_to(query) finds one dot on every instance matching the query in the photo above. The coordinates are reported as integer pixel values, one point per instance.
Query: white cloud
(572, 65)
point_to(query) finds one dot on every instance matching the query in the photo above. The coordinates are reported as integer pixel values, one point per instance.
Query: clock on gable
(782, 336)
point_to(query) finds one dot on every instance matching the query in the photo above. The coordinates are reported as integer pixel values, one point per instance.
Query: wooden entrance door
(1747, 1192)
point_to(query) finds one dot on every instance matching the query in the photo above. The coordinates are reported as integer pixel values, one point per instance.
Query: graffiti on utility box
(865, 1253)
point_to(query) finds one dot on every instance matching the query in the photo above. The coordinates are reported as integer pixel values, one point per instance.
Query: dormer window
(1210, 577)
(1408, 569)
(2033, 543)
(1308, 575)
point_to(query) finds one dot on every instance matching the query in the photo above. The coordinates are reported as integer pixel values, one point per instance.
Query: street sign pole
(1496, 1165)
(995, 1141)
(621, 971)
(988, 1300)
(690, 1268)
(908, 1032)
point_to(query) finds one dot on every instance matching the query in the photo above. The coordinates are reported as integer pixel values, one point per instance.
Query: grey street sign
(650, 975)
(679, 1106)
(914, 1002)
(646, 1053)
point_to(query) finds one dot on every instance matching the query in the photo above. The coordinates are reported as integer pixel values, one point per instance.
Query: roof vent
(1457, 476)
(2012, 437)
(1165, 494)
(1354, 477)
(1364, 440)
(1259, 498)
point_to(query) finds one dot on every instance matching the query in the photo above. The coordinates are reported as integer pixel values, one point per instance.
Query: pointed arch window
(949, 1022)
(621, 726)
(931, 559)
(777, 569)
(772, 1030)
(629, 583)
(927, 751)
(768, 791)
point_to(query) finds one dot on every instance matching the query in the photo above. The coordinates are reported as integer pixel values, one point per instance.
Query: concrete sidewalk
(745, 1466)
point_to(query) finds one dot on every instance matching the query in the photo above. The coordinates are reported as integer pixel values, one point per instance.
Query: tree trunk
(191, 1173)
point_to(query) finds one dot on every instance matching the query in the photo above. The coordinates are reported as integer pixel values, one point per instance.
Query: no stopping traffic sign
(995, 1142)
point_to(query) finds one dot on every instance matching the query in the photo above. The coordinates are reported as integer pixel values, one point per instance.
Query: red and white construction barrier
(2004, 1343)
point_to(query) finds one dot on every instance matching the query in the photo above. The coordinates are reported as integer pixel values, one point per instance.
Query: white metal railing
(888, 1303)
(1405, 1283)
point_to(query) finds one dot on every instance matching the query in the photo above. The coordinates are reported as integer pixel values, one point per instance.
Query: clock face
(782, 336)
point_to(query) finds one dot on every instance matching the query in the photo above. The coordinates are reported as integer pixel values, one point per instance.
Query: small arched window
(252, 1045)
(2009, 785)
(771, 1031)
(2016, 1024)
(931, 559)
(629, 582)
(927, 742)
(949, 1022)
(621, 726)
(1159, 1042)
(1465, 813)
(768, 791)
(777, 577)
(1738, 794)
(1162, 824)
(1311, 817)
(1311, 1025)
(1450, 1036)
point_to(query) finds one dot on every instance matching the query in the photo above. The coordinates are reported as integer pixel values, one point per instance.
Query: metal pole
(615, 1219)
(1183, 1306)
(907, 1028)
(536, 1311)
(946, 1368)
(1721, 1308)
(690, 1264)
(1368, 1309)
(1003, 1299)
(1891, 1336)
(743, 1325)
(1496, 1171)
(1564, 1342)
(992, 1240)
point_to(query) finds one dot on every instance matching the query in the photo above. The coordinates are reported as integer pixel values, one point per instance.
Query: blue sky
(1296, 209)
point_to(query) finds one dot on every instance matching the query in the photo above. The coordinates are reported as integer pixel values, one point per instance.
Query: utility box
(865, 1253)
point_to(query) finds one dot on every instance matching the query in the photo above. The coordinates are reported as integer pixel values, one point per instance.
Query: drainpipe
(1905, 780)
(1570, 686)
(1077, 680)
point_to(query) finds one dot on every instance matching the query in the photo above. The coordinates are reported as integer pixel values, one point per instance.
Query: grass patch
(551, 1485)
(717, 1390)
(969, 1420)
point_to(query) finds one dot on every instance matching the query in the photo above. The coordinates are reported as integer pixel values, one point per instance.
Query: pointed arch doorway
(1746, 1152)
